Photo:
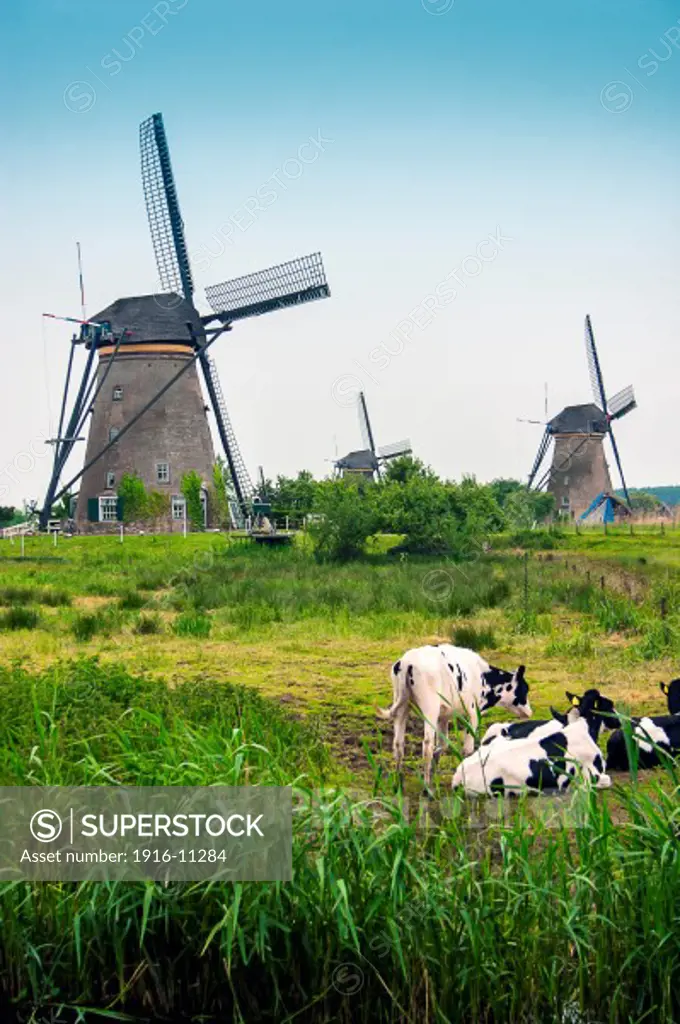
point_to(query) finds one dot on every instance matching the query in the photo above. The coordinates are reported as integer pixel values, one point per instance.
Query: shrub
(347, 521)
(192, 624)
(148, 624)
(191, 489)
(85, 626)
(19, 618)
(132, 601)
(475, 637)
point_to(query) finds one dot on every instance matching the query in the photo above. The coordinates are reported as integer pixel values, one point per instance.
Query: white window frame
(565, 501)
(162, 472)
(113, 433)
(117, 395)
(107, 505)
(110, 479)
(178, 506)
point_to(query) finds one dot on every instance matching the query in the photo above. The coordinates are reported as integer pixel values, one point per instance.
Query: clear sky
(440, 124)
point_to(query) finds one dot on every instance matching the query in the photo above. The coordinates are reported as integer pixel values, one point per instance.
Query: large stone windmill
(140, 382)
(579, 475)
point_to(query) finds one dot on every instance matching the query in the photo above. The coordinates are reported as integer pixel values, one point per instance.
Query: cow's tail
(402, 684)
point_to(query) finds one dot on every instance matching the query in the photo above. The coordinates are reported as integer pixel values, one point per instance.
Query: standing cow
(444, 681)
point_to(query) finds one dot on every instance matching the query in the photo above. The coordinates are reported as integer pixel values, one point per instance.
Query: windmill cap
(579, 419)
(149, 318)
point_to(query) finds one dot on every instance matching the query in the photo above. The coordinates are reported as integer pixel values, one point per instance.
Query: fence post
(22, 545)
(602, 582)
(526, 586)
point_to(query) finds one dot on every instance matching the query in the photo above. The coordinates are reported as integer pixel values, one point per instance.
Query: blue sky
(444, 123)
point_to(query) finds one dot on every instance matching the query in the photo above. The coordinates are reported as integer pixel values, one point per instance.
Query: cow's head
(592, 704)
(672, 694)
(507, 690)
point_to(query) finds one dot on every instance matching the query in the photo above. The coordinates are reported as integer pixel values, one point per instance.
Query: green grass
(389, 916)
(19, 618)
(217, 661)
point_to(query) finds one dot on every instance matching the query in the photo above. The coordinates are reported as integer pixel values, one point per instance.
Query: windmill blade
(620, 467)
(162, 206)
(622, 403)
(596, 381)
(365, 423)
(540, 455)
(393, 451)
(287, 284)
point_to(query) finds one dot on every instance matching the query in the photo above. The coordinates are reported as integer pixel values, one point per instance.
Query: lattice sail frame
(162, 205)
(286, 284)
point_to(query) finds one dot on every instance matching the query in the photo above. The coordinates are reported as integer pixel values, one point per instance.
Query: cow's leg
(469, 730)
(442, 738)
(400, 720)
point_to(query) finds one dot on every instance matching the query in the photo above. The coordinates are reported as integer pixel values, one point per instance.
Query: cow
(443, 681)
(592, 705)
(544, 760)
(654, 737)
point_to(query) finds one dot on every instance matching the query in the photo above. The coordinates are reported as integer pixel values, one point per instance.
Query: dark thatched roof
(579, 419)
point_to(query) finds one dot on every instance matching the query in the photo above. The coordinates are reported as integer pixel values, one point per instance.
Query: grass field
(171, 660)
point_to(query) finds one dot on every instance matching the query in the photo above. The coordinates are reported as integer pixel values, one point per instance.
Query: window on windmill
(113, 433)
(178, 506)
(565, 501)
(162, 473)
(566, 481)
(110, 479)
(118, 393)
(108, 509)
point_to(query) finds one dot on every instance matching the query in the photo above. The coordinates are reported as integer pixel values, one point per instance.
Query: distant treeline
(666, 495)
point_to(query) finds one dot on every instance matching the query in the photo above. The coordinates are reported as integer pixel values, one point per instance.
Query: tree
(157, 506)
(643, 501)
(191, 489)
(134, 498)
(220, 494)
(403, 468)
(293, 496)
(347, 518)
(7, 514)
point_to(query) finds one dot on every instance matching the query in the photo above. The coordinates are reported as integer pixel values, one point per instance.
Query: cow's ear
(664, 688)
(519, 674)
(573, 698)
(558, 716)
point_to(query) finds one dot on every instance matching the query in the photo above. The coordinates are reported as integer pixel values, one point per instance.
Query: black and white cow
(597, 709)
(544, 760)
(648, 734)
(447, 681)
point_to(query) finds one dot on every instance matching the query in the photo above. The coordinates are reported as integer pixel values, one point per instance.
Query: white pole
(22, 545)
(55, 537)
(121, 533)
(184, 522)
(286, 524)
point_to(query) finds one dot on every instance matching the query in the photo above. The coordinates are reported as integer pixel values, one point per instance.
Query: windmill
(368, 461)
(152, 418)
(579, 475)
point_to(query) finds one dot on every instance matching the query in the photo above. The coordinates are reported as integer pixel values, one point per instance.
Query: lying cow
(545, 760)
(444, 681)
(593, 706)
(648, 734)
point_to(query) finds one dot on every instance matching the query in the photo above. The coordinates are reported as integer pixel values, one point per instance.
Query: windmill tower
(140, 383)
(579, 474)
(367, 461)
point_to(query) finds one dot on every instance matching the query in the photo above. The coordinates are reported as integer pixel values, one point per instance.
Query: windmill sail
(365, 424)
(162, 205)
(596, 381)
(287, 284)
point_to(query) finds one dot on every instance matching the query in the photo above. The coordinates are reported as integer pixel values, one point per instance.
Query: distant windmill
(151, 419)
(367, 462)
(579, 474)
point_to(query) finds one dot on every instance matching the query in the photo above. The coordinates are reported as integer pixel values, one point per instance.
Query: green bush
(192, 624)
(19, 618)
(85, 626)
(148, 624)
(347, 520)
(132, 601)
(477, 638)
